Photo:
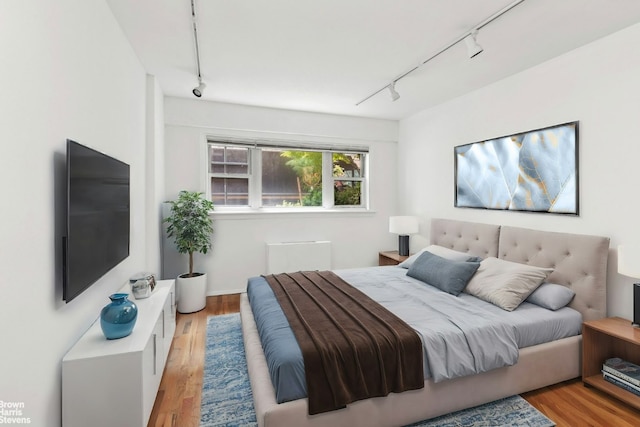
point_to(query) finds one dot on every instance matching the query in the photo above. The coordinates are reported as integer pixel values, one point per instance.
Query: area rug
(227, 399)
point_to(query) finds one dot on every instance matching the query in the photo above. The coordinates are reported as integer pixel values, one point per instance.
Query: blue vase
(118, 318)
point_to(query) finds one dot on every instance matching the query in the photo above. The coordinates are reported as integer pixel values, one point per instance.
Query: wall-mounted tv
(97, 217)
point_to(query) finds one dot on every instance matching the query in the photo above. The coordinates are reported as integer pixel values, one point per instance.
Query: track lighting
(198, 90)
(473, 48)
(393, 92)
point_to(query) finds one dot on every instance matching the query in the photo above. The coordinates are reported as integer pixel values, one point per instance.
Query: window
(347, 179)
(229, 171)
(276, 176)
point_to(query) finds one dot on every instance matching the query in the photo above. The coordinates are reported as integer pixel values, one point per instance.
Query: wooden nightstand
(390, 258)
(603, 339)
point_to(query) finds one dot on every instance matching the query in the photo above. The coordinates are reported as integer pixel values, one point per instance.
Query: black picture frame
(533, 171)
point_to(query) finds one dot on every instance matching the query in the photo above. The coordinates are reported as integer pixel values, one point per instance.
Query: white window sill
(262, 213)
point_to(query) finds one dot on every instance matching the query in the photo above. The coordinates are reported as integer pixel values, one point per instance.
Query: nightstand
(603, 339)
(390, 258)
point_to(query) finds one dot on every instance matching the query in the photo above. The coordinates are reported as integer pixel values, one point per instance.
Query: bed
(579, 262)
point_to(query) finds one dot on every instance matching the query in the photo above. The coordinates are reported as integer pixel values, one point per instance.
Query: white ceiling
(327, 55)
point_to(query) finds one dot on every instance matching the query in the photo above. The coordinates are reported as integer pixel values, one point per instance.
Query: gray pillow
(441, 251)
(551, 296)
(446, 275)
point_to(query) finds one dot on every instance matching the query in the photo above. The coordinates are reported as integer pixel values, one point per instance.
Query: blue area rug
(227, 399)
(510, 411)
(226, 392)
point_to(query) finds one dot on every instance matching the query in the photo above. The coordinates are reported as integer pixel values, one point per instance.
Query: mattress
(401, 295)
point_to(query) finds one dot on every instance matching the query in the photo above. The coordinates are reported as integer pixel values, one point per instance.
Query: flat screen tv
(97, 217)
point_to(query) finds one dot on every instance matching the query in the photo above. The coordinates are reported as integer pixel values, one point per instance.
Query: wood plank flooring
(568, 404)
(178, 400)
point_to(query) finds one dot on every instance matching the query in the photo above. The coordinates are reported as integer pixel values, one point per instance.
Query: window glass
(228, 160)
(229, 170)
(291, 178)
(274, 176)
(347, 176)
(230, 191)
(347, 193)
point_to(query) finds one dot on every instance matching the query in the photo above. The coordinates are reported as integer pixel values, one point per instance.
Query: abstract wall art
(535, 171)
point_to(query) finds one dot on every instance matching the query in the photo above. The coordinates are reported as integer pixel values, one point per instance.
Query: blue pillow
(551, 296)
(446, 275)
(441, 251)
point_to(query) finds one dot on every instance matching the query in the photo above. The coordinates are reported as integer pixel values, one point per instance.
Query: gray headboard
(579, 261)
(477, 239)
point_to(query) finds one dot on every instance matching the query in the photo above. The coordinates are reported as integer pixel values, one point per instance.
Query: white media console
(114, 382)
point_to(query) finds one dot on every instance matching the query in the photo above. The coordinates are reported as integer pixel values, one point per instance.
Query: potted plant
(192, 229)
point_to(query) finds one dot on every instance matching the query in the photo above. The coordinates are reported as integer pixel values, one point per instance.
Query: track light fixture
(393, 92)
(473, 49)
(198, 90)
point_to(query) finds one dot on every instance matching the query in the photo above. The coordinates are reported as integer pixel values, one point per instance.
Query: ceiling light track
(197, 91)
(473, 49)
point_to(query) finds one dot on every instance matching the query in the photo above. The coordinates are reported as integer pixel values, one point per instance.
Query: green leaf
(190, 224)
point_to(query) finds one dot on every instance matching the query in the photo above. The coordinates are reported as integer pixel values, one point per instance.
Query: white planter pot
(191, 293)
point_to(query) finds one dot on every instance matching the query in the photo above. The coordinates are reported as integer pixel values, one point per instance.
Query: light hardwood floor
(568, 404)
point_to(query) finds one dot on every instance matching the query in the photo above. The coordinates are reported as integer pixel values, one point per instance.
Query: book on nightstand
(622, 369)
(621, 383)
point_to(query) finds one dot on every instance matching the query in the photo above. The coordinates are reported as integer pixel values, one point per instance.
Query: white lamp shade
(403, 225)
(629, 260)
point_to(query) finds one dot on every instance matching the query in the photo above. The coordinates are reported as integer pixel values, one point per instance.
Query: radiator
(287, 257)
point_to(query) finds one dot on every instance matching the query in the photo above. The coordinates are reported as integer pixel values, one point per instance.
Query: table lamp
(629, 265)
(403, 226)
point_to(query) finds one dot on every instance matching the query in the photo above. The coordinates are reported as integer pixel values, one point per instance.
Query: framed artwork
(534, 171)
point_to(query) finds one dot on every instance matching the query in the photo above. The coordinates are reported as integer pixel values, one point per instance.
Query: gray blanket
(458, 338)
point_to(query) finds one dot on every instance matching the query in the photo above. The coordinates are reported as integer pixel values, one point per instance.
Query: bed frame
(579, 262)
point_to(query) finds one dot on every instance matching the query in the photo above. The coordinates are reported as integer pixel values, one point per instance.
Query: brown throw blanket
(353, 348)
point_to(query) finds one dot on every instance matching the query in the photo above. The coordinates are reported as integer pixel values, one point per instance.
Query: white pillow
(441, 251)
(505, 283)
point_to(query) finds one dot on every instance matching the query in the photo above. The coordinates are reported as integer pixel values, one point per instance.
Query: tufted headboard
(477, 239)
(579, 261)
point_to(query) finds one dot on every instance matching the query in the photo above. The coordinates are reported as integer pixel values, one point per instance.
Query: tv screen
(97, 236)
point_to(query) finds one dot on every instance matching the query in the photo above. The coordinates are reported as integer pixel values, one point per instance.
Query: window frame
(363, 178)
(246, 175)
(254, 174)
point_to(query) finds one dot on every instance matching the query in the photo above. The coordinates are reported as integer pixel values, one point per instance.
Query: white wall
(154, 191)
(239, 241)
(66, 71)
(598, 85)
